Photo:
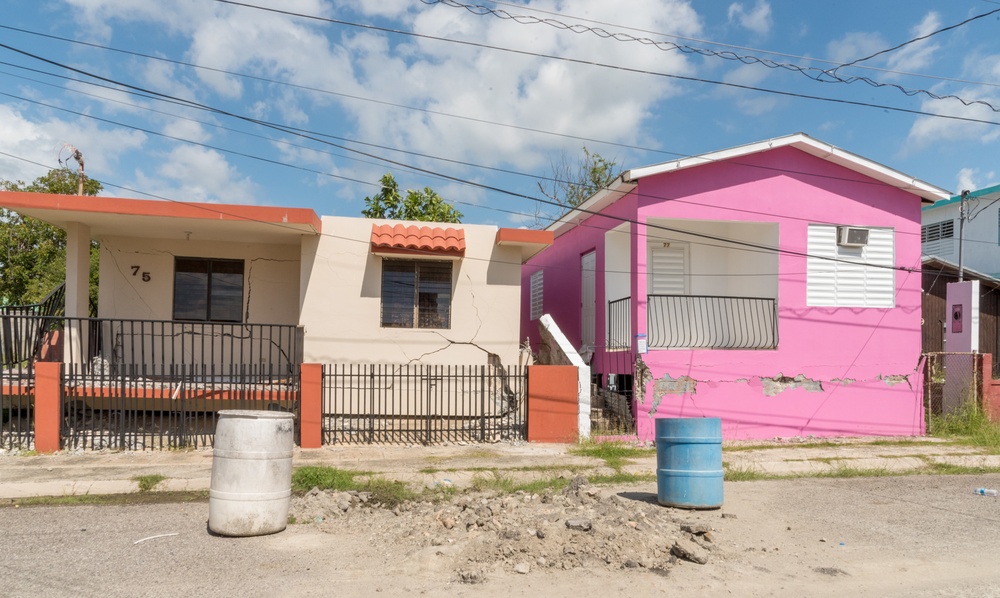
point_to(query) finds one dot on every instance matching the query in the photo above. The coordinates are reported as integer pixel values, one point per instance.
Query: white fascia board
(618, 189)
(811, 146)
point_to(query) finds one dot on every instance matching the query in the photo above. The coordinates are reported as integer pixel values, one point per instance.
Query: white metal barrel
(251, 473)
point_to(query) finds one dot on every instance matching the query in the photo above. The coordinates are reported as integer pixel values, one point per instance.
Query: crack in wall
(772, 386)
(781, 383)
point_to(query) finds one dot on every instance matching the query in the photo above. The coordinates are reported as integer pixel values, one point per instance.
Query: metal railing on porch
(711, 322)
(620, 323)
(427, 404)
(17, 407)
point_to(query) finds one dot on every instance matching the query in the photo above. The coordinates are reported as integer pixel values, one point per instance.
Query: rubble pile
(579, 527)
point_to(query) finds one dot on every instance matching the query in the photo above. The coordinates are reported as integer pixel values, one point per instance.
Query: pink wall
(860, 363)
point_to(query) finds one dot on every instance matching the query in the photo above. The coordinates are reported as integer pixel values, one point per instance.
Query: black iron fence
(620, 323)
(710, 322)
(385, 403)
(140, 407)
(24, 328)
(104, 346)
(17, 407)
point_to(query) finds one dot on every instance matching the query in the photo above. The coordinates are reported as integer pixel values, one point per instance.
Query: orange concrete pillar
(311, 406)
(48, 406)
(553, 403)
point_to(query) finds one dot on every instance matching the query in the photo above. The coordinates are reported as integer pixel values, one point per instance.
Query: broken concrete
(780, 383)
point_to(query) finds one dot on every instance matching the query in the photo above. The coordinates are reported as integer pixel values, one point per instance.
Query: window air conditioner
(852, 236)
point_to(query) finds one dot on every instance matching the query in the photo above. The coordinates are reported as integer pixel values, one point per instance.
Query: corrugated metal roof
(416, 240)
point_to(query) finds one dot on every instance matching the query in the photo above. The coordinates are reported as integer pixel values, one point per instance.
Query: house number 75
(145, 275)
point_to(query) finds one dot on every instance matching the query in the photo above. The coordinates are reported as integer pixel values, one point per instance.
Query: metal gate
(425, 404)
(950, 381)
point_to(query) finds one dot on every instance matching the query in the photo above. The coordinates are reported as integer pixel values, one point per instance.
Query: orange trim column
(48, 406)
(311, 406)
(553, 403)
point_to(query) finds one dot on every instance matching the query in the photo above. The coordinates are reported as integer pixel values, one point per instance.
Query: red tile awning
(413, 240)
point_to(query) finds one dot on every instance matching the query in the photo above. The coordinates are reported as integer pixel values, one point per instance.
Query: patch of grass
(848, 471)
(951, 469)
(621, 477)
(292, 520)
(968, 425)
(384, 492)
(542, 485)
(614, 453)
(149, 481)
(109, 499)
(308, 477)
(495, 481)
(743, 473)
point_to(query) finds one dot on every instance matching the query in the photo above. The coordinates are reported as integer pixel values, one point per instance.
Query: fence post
(311, 406)
(48, 406)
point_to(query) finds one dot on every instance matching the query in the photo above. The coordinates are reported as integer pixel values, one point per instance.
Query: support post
(311, 406)
(48, 406)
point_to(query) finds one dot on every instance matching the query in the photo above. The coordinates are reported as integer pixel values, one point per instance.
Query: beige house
(272, 287)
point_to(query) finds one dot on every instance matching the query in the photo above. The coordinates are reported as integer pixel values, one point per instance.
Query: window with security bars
(537, 288)
(416, 294)
(208, 290)
(937, 231)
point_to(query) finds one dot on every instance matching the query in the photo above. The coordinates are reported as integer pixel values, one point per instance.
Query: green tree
(425, 205)
(573, 184)
(32, 252)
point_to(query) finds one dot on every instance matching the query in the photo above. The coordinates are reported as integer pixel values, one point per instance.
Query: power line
(813, 73)
(917, 39)
(609, 66)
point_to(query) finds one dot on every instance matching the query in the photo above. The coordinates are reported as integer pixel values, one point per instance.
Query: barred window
(537, 290)
(208, 290)
(416, 294)
(937, 231)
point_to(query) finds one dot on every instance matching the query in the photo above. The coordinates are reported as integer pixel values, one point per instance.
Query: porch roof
(110, 216)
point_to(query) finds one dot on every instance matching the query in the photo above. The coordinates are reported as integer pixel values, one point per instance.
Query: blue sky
(476, 97)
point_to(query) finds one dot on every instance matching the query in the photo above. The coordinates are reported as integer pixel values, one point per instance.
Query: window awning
(418, 241)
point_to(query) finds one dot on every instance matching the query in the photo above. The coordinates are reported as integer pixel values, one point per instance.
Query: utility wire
(813, 73)
(609, 66)
(917, 39)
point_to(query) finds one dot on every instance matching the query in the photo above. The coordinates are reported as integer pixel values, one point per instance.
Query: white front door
(588, 299)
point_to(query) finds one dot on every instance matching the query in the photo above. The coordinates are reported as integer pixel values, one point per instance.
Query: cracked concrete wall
(341, 307)
(270, 277)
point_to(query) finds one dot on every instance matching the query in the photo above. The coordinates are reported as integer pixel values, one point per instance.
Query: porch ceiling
(112, 216)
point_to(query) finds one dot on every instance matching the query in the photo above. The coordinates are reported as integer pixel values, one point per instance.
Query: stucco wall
(270, 277)
(836, 370)
(341, 303)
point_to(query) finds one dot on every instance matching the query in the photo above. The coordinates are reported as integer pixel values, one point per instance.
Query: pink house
(774, 285)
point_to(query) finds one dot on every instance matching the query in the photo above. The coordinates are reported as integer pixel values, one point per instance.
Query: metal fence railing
(620, 323)
(17, 407)
(709, 322)
(386, 403)
(138, 407)
(23, 328)
(951, 382)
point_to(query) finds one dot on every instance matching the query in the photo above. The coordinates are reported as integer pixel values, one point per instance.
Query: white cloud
(40, 140)
(855, 45)
(928, 130)
(190, 173)
(918, 55)
(757, 19)
(972, 179)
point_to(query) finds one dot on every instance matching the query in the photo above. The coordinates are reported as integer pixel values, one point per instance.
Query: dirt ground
(886, 536)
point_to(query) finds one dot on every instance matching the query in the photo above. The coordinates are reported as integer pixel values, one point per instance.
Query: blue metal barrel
(689, 462)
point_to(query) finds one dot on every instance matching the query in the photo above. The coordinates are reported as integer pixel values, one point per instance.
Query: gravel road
(890, 536)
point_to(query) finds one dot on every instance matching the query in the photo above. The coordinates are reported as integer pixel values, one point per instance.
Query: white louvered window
(841, 276)
(937, 238)
(667, 268)
(537, 281)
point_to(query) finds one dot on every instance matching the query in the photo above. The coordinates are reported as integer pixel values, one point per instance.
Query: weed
(306, 478)
(110, 499)
(847, 471)
(292, 520)
(742, 473)
(951, 469)
(970, 425)
(615, 454)
(493, 480)
(384, 492)
(621, 477)
(149, 481)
